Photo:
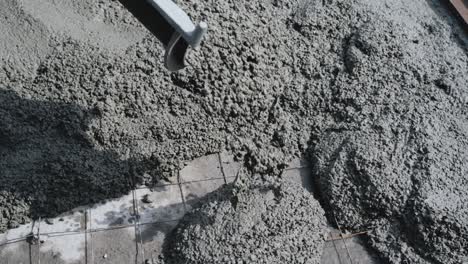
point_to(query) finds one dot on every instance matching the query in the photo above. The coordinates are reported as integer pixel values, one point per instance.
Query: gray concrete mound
(280, 223)
(410, 193)
(395, 162)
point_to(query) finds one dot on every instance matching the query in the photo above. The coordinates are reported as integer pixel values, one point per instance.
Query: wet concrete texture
(262, 223)
(107, 232)
(373, 92)
(48, 164)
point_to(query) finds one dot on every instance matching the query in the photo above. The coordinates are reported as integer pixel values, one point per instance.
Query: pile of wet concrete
(258, 222)
(373, 93)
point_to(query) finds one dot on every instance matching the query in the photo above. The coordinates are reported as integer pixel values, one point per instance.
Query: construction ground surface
(103, 151)
(131, 229)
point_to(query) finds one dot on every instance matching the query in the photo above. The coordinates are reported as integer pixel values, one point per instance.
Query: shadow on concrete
(150, 18)
(459, 29)
(49, 165)
(152, 231)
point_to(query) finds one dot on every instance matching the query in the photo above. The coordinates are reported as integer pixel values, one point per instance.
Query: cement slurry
(373, 91)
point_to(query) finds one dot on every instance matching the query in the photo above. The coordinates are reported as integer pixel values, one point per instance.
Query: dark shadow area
(48, 165)
(459, 29)
(150, 231)
(150, 18)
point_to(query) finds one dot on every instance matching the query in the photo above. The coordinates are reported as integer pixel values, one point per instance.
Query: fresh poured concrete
(110, 232)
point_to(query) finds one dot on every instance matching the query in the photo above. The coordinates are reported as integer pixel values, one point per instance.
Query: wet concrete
(372, 92)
